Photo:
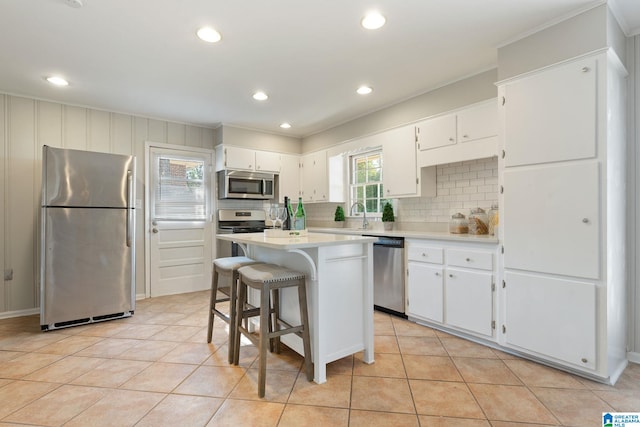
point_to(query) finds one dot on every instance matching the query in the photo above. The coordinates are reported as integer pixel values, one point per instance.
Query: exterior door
(179, 223)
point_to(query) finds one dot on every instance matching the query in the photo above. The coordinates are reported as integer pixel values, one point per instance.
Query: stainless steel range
(232, 221)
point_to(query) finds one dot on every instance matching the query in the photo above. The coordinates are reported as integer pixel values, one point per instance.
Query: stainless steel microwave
(234, 184)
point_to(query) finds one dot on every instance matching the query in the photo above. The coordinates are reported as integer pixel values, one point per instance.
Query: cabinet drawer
(470, 259)
(426, 254)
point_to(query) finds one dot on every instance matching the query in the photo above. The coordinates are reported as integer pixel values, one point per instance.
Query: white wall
(579, 35)
(248, 138)
(28, 124)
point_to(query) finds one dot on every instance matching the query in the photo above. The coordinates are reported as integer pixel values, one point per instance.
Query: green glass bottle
(301, 217)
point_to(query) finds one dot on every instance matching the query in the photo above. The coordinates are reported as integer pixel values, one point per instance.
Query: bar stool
(269, 279)
(226, 267)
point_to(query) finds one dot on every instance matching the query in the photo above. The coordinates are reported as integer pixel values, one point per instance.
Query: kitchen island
(339, 271)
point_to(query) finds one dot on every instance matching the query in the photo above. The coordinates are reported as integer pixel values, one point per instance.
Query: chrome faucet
(365, 223)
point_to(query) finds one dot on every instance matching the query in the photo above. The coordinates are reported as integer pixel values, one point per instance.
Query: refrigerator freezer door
(87, 265)
(85, 178)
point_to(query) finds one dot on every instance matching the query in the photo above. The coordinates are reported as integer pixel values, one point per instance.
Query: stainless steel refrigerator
(87, 248)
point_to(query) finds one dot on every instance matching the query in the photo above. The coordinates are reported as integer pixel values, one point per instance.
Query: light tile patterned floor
(156, 369)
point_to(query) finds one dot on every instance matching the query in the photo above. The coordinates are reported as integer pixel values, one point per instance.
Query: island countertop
(311, 240)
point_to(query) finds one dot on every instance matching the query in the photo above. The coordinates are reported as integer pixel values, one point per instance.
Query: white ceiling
(142, 56)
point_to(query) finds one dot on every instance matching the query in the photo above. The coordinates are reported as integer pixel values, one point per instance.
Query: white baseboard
(633, 357)
(140, 296)
(19, 313)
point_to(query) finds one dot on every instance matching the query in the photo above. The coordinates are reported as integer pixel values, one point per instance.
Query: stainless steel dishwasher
(388, 275)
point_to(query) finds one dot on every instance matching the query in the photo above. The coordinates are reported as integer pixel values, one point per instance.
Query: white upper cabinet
(315, 178)
(551, 116)
(289, 177)
(437, 132)
(477, 122)
(228, 157)
(400, 173)
(267, 161)
(238, 158)
(467, 134)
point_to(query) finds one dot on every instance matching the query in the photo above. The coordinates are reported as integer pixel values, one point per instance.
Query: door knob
(154, 230)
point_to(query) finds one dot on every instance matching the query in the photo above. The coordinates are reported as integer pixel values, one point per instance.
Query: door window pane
(180, 188)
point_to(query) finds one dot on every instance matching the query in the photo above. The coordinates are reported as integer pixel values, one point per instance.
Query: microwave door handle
(264, 187)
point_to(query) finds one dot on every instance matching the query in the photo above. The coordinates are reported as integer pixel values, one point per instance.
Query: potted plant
(339, 217)
(387, 216)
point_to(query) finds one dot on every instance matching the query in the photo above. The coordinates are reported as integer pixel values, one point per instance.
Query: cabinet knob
(437, 274)
(468, 260)
(584, 360)
(585, 69)
(465, 136)
(585, 220)
(450, 275)
(424, 255)
(451, 139)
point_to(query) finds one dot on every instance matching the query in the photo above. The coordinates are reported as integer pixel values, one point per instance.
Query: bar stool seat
(269, 279)
(226, 267)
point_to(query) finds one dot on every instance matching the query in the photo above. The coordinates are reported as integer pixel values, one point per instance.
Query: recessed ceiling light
(285, 126)
(373, 21)
(208, 34)
(364, 90)
(58, 81)
(260, 96)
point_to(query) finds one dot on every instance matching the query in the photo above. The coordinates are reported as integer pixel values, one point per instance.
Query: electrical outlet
(8, 274)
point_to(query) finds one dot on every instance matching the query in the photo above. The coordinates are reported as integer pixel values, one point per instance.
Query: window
(365, 185)
(180, 188)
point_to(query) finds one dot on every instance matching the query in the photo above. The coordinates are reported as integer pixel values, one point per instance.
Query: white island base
(339, 271)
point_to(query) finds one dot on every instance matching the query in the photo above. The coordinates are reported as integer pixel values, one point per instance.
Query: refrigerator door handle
(130, 206)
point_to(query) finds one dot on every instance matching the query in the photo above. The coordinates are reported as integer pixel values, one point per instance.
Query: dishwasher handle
(387, 241)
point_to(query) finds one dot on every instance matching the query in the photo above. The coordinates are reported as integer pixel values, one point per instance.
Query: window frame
(352, 185)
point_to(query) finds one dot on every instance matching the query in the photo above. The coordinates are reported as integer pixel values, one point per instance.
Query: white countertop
(311, 240)
(408, 234)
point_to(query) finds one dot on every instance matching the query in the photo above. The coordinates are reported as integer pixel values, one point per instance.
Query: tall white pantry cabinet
(562, 173)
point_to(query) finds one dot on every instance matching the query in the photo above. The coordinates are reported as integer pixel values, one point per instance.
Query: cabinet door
(551, 316)
(399, 167)
(478, 122)
(425, 291)
(239, 158)
(551, 116)
(551, 219)
(437, 132)
(315, 184)
(289, 177)
(267, 161)
(469, 300)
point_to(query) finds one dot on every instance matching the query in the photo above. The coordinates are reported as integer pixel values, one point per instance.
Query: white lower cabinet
(425, 291)
(551, 316)
(452, 284)
(469, 300)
